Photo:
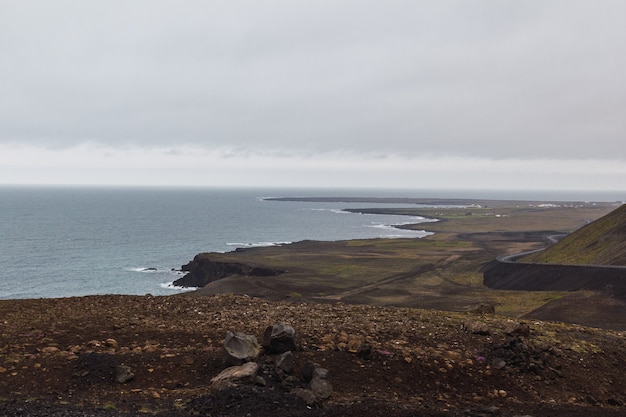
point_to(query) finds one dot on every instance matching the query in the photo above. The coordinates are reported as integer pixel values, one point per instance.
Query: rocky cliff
(203, 270)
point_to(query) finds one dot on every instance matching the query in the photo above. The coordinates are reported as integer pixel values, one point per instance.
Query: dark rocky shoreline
(203, 270)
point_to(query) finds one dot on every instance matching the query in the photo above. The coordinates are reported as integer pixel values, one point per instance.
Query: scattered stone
(525, 357)
(94, 344)
(239, 348)
(50, 349)
(484, 308)
(498, 363)
(236, 375)
(321, 388)
(305, 394)
(279, 338)
(614, 402)
(123, 374)
(364, 351)
(112, 343)
(309, 369)
(433, 342)
(483, 411)
(285, 362)
(320, 373)
(520, 330)
(477, 327)
(316, 376)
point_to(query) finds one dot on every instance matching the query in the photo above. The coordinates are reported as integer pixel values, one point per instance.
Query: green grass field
(441, 271)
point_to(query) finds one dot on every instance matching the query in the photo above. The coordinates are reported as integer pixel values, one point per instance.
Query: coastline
(443, 271)
(101, 240)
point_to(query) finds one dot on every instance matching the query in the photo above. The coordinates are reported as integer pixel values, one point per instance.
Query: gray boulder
(240, 348)
(236, 375)
(477, 327)
(279, 338)
(320, 388)
(305, 394)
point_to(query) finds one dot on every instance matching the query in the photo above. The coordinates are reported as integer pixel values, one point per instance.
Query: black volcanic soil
(57, 358)
(597, 309)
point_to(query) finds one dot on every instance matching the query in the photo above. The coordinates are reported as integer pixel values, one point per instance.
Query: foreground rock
(240, 348)
(58, 357)
(279, 338)
(276, 364)
(236, 375)
(123, 374)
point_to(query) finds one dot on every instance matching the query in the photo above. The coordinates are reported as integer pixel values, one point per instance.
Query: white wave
(380, 226)
(256, 244)
(398, 232)
(171, 286)
(332, 210)
(389, 226)
(143, 269)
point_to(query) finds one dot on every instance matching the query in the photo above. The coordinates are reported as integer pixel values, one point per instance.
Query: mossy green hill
(602, 242)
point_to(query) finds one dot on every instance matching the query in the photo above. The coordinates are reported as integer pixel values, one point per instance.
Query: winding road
(511, 259)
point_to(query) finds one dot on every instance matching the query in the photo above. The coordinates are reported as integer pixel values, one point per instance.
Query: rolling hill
(602, 242)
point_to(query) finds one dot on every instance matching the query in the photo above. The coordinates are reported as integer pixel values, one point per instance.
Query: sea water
(59, 242)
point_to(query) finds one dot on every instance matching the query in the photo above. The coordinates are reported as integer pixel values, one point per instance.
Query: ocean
(60, 242)
(74, 241)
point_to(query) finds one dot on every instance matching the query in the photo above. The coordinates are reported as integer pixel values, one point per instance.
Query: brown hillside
(60, 358)
(602, 242)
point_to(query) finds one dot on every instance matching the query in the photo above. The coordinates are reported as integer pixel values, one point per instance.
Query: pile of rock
(273, 362)
(520, 355)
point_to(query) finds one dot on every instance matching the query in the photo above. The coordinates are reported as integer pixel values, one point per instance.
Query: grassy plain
(441, 271)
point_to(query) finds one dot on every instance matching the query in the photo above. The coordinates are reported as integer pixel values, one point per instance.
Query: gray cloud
(494, 79)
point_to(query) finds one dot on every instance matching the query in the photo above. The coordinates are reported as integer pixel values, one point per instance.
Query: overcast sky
(418, 94)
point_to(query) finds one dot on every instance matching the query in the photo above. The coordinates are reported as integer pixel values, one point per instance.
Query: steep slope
(602, 242)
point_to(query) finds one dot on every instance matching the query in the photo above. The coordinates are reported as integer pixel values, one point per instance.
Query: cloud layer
(482, 80)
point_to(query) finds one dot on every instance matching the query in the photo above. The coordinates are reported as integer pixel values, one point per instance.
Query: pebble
(112, 343)
(123, 374)
(50, 349)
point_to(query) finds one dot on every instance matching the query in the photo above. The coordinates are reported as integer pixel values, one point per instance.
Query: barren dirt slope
(58, 358)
